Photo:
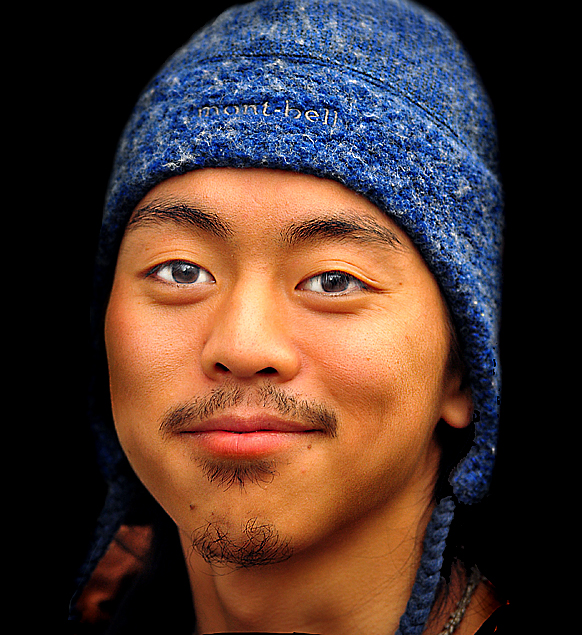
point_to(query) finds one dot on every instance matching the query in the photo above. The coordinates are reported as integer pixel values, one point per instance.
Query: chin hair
(227, 473)
(258, 544)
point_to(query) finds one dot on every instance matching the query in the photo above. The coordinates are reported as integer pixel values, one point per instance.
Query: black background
(96, 65)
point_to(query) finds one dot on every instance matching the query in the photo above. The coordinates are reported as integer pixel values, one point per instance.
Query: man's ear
(457, 408)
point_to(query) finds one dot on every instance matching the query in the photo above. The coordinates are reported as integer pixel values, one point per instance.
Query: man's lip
(248, 424)
(248, 436)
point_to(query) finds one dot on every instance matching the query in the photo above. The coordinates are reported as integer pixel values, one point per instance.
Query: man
(297, 296)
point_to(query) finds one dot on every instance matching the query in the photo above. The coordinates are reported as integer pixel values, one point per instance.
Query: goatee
(258, 544)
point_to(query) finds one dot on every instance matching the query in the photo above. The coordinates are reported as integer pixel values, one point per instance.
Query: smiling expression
(277, 332)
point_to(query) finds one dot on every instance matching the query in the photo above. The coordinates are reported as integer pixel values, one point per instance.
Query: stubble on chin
(258, 544)
(227, 543)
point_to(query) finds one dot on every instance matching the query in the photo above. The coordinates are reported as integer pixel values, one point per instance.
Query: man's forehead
(301, 208)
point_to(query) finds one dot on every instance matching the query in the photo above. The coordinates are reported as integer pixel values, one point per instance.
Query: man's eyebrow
(352, 227)
(182, 214)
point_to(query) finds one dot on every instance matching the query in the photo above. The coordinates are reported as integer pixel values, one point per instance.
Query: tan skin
(254, 306)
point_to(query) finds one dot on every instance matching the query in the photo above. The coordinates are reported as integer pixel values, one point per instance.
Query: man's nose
(251, 336)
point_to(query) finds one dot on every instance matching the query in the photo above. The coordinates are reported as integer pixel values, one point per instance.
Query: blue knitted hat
(378, 95)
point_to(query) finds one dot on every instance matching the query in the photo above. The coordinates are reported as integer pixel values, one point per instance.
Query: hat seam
(370, 78)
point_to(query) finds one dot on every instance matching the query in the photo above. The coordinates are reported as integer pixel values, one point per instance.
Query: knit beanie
(378, 95)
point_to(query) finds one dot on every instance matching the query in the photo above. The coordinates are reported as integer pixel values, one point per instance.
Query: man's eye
(333, 283)
(181, 272)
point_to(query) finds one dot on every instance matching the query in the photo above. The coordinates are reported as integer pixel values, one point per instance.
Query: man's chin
(258, 543)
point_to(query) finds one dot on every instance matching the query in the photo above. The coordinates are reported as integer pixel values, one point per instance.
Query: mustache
(268, 396)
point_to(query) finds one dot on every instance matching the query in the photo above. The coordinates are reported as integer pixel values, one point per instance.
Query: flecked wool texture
(378, 95)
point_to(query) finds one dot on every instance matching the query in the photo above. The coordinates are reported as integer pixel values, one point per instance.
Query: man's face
(278, 361)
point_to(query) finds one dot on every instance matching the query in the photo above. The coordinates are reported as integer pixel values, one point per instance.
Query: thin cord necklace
(459, 612)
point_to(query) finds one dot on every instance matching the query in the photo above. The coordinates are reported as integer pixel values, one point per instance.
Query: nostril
(269, 370)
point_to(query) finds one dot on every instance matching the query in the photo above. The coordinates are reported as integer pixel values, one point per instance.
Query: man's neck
(358, 580)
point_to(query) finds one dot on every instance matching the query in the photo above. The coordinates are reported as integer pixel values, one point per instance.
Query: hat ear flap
(471, 478)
